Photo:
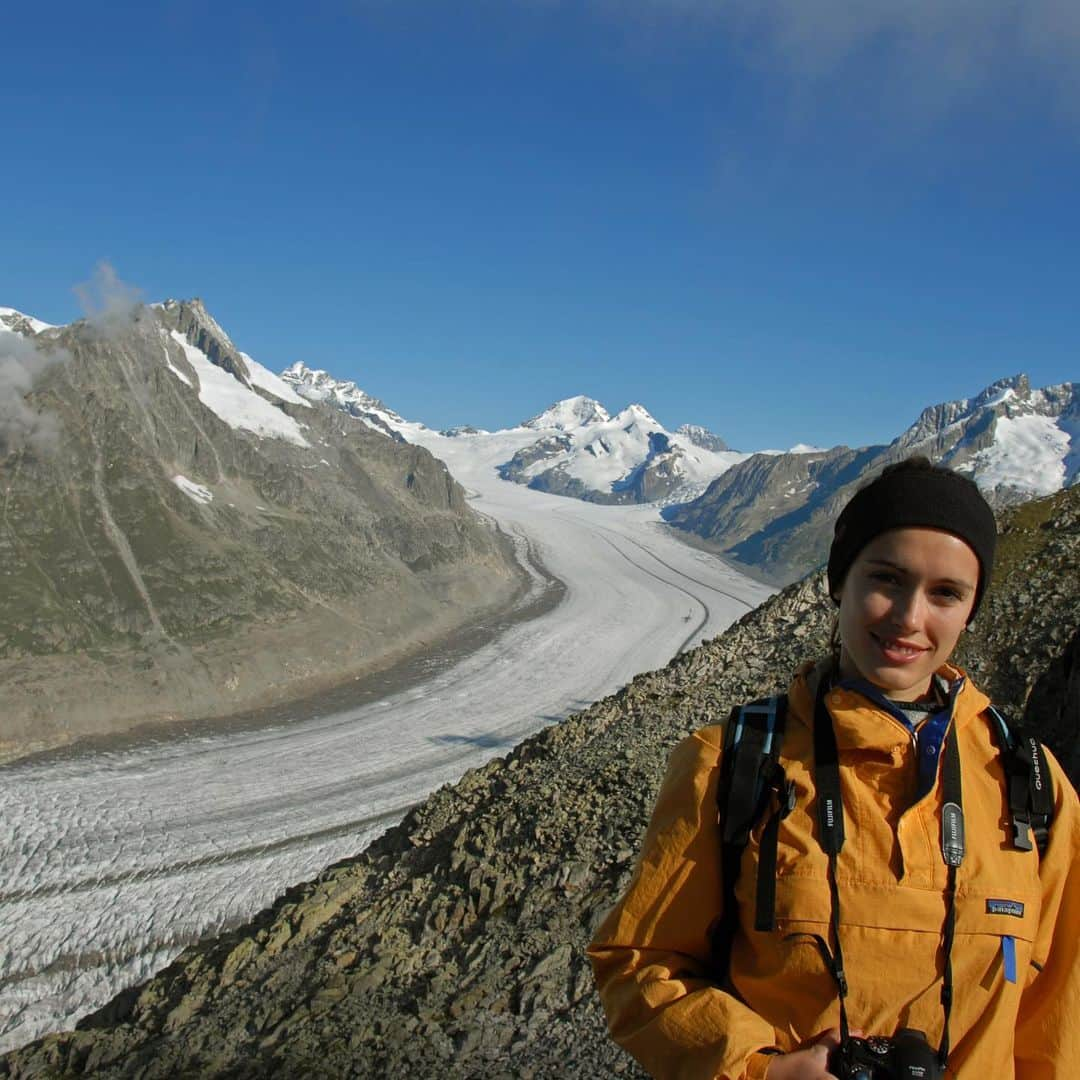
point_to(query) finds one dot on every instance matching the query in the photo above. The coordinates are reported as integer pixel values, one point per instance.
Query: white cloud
(109, 303)
(925, 55)
(21, 425)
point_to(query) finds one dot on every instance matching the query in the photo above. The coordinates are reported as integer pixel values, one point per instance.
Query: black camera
(906, 1056)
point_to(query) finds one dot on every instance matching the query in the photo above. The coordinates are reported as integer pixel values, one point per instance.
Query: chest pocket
(891, 939)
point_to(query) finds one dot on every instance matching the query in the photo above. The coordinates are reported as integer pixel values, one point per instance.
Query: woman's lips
(898, 652)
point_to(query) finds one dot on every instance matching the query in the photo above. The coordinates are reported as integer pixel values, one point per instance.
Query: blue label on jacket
(1008, 957)
(1005, 907)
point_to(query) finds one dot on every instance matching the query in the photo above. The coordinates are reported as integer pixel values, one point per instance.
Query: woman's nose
(908, 609)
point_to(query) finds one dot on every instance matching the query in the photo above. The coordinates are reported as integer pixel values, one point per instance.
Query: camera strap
(831, 825)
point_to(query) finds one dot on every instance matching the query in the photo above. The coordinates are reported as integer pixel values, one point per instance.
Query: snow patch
(1006, 393)
(267, 380)
(1028, 454)
(173, 368)
(10, 314)
(200, 494)
(230, 400)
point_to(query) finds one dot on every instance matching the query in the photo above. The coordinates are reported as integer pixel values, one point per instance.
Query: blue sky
(787, 221)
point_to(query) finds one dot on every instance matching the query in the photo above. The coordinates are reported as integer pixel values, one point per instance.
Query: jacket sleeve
(1048, 1024)
(649, 955)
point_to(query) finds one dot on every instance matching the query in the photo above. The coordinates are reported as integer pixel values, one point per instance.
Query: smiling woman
(757, 943)
(903, 606)
(910, 560)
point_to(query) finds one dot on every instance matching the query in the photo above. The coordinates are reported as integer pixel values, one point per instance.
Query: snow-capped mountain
(19, 323)
(585, 452)
(232, 385)
(771, 510)
(574, 447)
(1015, 442)
(701, 437)
(569, 414)
(198, 524)
(317, 385)
(775, 511)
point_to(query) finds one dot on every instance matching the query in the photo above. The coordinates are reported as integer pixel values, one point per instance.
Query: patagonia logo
(1005, 907)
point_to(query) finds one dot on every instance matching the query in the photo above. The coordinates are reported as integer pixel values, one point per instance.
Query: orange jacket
(650, 954)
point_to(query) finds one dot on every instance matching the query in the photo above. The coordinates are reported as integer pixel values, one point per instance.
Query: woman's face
(903, 605)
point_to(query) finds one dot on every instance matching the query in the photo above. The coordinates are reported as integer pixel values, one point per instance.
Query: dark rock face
(658, 475)
(547, 447)
(162, 563)
(454, 946)
(198, 326)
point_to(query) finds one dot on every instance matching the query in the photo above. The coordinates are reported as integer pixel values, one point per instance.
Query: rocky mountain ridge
(186, 536)
(579, 449)
(774, 513)
(454, 946)
(316, 385)
(771, 511)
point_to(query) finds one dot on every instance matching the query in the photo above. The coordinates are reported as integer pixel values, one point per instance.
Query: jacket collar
(862, 723)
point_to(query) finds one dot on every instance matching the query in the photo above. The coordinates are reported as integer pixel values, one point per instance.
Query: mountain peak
(318, 385)
(19, 322)
(197, 314)
(1013, 386)
(1011, 395)
(701, 437)
(572, 412)
(635, 414)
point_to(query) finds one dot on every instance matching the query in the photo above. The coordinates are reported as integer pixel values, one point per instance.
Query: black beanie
(915, 494)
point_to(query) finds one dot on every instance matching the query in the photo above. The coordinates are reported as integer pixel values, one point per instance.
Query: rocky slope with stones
(455, 945)
(160, 560)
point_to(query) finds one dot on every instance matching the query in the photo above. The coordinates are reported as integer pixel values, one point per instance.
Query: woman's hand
(810, 1063)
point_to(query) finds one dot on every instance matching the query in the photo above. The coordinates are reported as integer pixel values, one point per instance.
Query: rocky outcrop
(702, 437)
(454, 946)
(317, 385)
(197, 539)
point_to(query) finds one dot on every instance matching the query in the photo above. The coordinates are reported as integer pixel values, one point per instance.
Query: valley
(116, 857)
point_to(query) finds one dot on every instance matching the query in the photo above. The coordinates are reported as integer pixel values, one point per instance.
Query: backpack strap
(750, 773)
(1030, 785)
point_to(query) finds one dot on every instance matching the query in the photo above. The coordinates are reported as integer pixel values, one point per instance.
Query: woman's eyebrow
(889, 563)
(960, 583)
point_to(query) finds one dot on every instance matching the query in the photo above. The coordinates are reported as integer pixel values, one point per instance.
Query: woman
(885, 917)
